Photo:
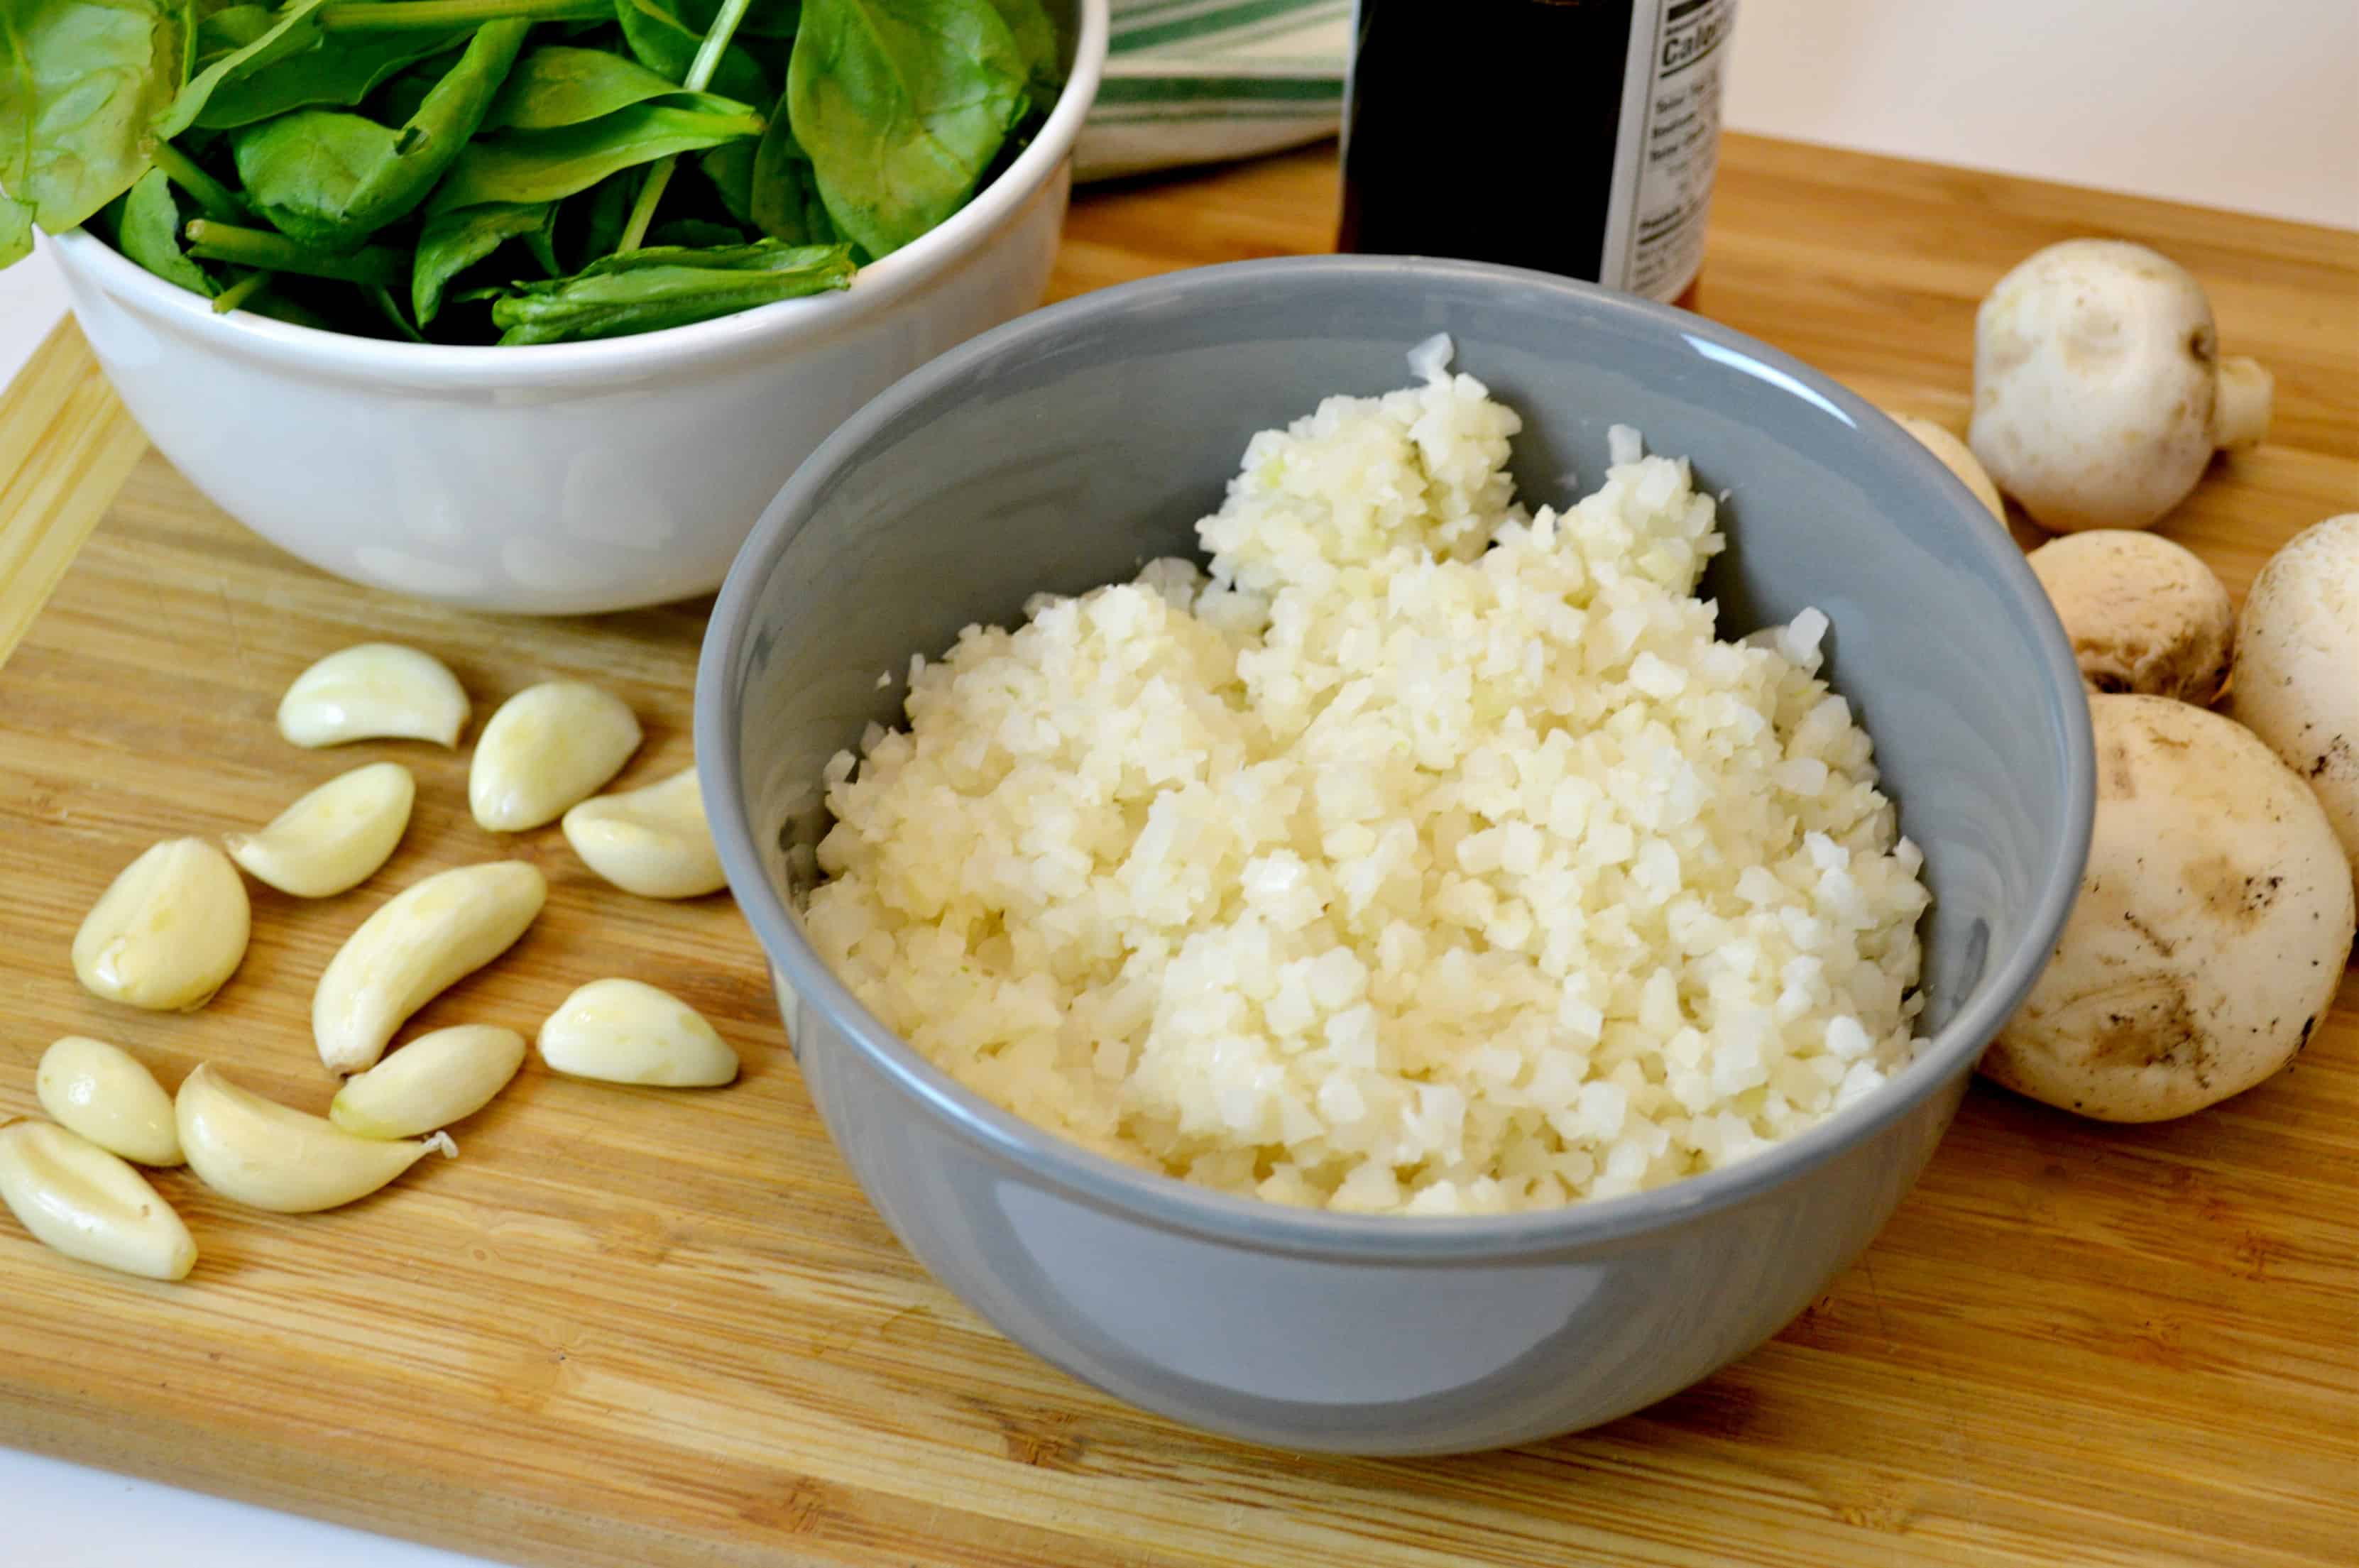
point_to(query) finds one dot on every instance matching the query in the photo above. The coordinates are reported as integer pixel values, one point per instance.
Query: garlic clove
(652, 842)
(168, 932)
(375, 691)
(334, 838)
(269, 1156)
(621, 1031)
(76, 1197)
(102, 1092)
(419, 943)
(547, 748)
(433, 1081)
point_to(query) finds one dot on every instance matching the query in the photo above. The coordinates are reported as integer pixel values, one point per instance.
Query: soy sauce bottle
(1577, 136)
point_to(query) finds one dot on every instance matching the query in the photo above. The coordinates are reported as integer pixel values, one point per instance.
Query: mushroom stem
(2240, 407)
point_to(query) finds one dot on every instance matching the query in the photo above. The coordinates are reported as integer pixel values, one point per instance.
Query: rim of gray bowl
(880, 283)
(1170, 1203)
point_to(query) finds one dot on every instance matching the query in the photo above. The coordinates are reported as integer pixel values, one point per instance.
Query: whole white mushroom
(2210, 933)
(2100, 393)
(2144, 615)
(2297, 666)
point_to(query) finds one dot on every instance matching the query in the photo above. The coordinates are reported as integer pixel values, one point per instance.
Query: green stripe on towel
(1201, 80)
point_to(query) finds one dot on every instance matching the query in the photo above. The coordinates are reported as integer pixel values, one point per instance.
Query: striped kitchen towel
(1198, 80)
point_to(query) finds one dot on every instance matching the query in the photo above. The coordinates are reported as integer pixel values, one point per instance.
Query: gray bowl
(1063, 450)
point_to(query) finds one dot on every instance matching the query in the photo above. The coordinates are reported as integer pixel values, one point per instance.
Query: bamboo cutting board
(632, 1328)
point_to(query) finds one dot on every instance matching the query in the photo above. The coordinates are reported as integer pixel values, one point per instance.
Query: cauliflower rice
(1428, 856)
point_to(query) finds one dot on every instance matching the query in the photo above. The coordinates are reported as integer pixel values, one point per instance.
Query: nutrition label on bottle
(1668, 144)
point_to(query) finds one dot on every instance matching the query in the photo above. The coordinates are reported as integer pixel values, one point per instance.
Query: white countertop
(2252, 106)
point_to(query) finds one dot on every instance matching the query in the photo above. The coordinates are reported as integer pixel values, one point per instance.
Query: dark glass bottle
(1574, 136)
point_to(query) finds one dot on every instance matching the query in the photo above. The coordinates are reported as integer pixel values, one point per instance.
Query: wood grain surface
(632, 1327)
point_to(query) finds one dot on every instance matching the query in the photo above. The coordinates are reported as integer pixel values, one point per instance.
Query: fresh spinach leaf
(451, 242)
(340, 72)
(390, 310)
(555, 85)
(231, 28)
(603, 211)
(901, 107)
(729, 170)
(764, 18)
(1036, 40)
(82, 84)
(149, 233)
(16, 230)
(275, 303)
(667, 285)
(700, 232)
(543, 166)
(294, 29)
(665, 34)
(333, 178)
(783, 201)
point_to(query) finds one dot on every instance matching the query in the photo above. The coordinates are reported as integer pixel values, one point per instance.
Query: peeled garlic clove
(334, 838)
(435, 1079)
(624, 1032)
(652, 842)
(423, 940)
(75, 1196)
(169, 930)
(101, 1092)
(547, 746)
(268, 1156)
(375, 691)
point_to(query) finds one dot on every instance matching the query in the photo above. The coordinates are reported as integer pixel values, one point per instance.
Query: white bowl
(567, 477)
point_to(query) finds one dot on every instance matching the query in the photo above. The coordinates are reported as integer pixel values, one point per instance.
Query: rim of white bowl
(1171, 1203)
(765, 327)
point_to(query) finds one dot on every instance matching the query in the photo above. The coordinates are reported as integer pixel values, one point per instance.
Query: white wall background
(2252, 104)
(2245, 103)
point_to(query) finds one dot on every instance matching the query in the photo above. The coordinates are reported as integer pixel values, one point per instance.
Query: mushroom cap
(2297, 666)
(1957, 457)
(2210, 933)
(2096, 367)
(2144, 615)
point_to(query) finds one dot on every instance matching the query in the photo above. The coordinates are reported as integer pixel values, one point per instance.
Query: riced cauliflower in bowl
(1419, 850)
(1430, 853)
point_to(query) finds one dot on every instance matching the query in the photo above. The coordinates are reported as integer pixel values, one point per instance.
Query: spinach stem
(218, 199)
(239, 292)
(406, 15)
(372, 264)
(699, 78)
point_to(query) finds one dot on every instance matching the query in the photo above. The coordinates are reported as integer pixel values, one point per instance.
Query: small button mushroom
(2297, 666)
(2099, 391)
(2210, 933)
(2144, 615)
(1958, 458)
